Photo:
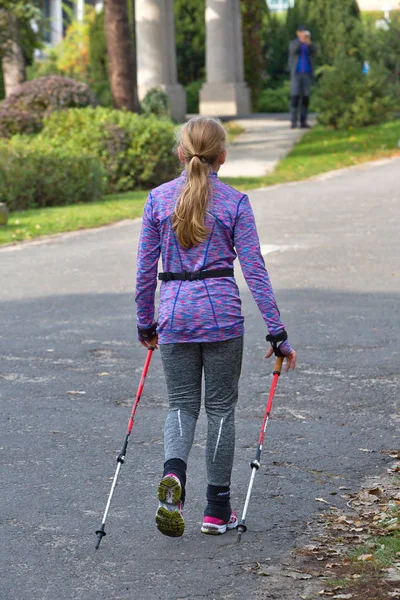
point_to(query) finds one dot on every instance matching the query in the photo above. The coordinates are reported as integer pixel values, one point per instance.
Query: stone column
(80, 10)
(156, 53)
(56, 22)
(225, 91)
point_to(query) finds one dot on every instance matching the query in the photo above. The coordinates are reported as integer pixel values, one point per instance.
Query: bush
(348, 98)
(44, 95)
(275, 100)
(34, 174)
(156, 102)
(136, 151)
(18, 121)
(193, 96)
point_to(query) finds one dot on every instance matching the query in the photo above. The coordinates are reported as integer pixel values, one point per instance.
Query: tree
(121, 65)
(336, 26)
(253, 17)
(15, 16)
(190, 36)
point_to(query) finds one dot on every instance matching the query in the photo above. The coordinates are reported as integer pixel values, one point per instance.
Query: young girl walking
(199, 225)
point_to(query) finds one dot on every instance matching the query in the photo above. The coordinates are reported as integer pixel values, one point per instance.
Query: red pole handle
(140, 389)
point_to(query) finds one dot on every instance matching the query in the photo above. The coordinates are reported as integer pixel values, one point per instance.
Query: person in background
(301, 56)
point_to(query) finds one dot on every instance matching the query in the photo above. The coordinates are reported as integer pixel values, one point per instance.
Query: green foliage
(44, 67)
(135, 151)
(192, 96)
(190, 39)
(275, 100)
(336, 27)
(276, 40)
(97, 72)
(34, 174)
(47, 94)
(18, 121)
(383, 46)
(347, 98)
(24, 13)
(253, 14)
(156, 102)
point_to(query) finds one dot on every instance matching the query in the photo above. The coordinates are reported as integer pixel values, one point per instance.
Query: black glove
(145, 333)
(276, 341)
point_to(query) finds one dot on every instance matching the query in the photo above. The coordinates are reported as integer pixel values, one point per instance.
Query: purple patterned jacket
(207, 310)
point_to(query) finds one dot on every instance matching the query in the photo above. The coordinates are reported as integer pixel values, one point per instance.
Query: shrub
(44, 95)
(346, 97)
(18, 121)
(192, 96)
(136, 151)
(275, 100)
(156, 102)
(33, 174)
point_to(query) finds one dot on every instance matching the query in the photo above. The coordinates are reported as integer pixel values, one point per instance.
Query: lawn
(319, 151)
(322, 150)
(30, 224)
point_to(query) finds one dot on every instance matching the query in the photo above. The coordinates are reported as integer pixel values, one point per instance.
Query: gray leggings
(183, 367)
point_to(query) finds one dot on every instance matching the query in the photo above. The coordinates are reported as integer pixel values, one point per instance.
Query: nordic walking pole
(121, 456)
(255, 464)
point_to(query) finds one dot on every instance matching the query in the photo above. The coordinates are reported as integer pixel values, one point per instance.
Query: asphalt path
(68, 325)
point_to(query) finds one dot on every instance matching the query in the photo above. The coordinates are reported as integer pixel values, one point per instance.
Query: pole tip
(100, 534)
(241, 528)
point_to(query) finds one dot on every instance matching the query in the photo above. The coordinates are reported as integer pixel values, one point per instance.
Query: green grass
(384, 550)
(319, 151)
(30, 224)
(323, 149)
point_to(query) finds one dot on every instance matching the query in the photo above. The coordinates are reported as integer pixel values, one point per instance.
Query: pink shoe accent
(173, 477)
(215, 526)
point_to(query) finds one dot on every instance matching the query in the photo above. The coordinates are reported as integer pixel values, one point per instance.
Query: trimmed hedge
(34, 174)
(44, 95)
(18, 121)
(135, 151)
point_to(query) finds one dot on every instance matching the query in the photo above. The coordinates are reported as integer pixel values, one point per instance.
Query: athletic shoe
(215, 526)
(169, 517)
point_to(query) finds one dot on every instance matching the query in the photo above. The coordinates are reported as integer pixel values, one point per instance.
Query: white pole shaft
(114, 483)
(246, 504)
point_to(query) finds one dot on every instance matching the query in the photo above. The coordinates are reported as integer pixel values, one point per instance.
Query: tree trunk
(121, 68)
(13, 61)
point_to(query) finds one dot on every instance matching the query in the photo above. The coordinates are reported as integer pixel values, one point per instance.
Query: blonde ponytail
(202, 140)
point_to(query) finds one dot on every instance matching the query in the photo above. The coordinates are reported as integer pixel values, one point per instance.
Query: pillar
(156, 53)
(225, 91)
(56, 21)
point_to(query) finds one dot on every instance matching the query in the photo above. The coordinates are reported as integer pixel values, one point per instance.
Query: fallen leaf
(365, 450)
(321, 500)
(344, 596)
(297, 575)
(365, 557)
(76, 393)
(103, 374)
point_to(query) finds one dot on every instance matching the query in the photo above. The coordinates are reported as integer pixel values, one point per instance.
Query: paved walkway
(267, 138)
(70, 364)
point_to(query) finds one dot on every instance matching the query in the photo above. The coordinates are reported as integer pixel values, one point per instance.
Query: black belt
(194, 276)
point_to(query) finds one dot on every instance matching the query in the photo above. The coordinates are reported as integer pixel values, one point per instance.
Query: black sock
(218, 502)
(178, 468)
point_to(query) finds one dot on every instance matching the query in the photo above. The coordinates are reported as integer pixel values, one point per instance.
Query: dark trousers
(294, 109)
(300, 87)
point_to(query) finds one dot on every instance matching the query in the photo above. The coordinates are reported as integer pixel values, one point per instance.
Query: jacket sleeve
(251, 260)
(147, 264)
(294, 50)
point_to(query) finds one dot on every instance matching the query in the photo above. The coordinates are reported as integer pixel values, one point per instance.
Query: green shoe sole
(169, 490)
(170, 523)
